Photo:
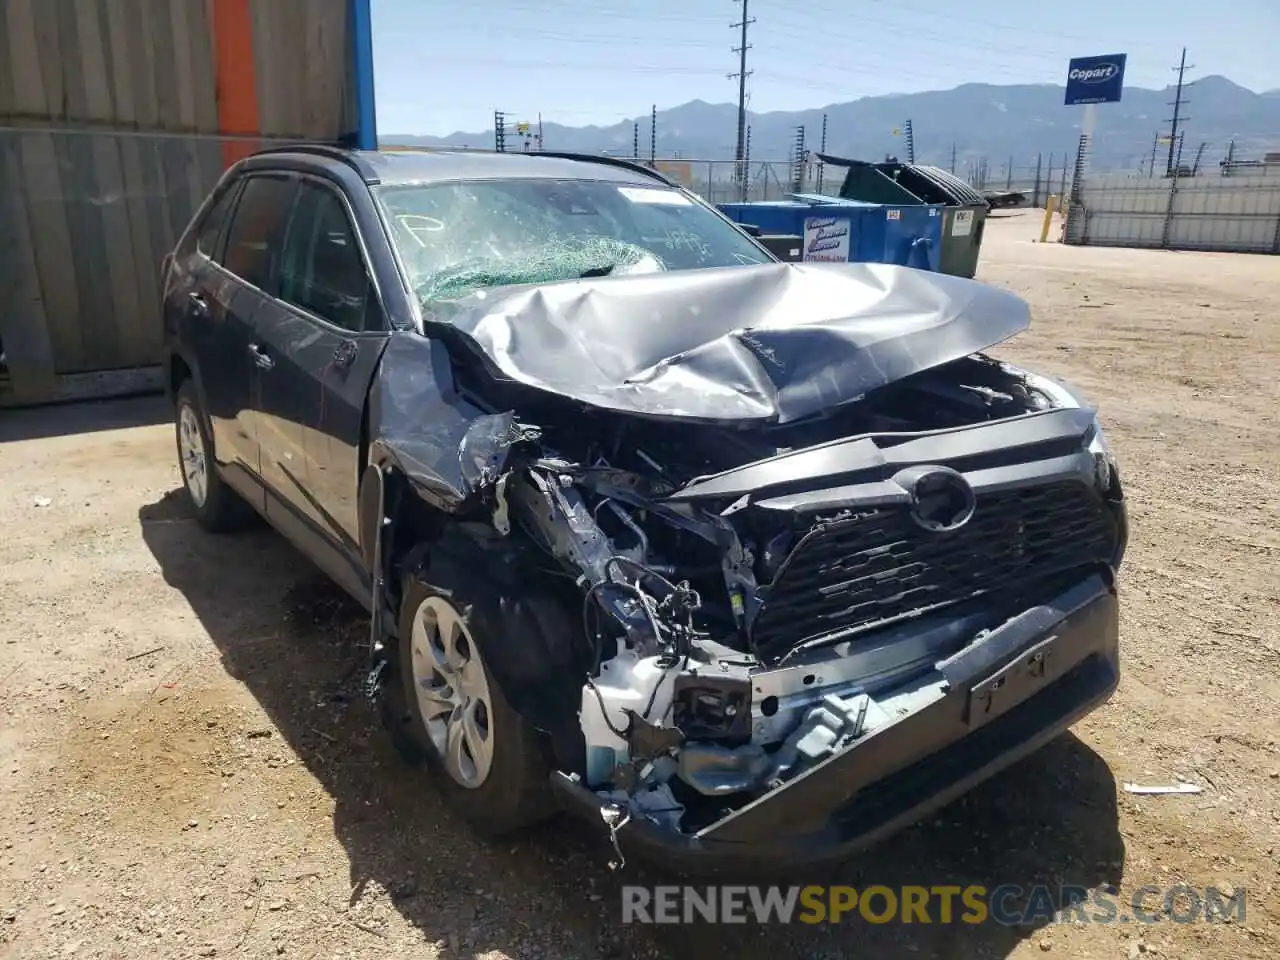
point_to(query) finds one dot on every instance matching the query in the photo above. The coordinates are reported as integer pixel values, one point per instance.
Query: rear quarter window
(210, 228)
(257, 229)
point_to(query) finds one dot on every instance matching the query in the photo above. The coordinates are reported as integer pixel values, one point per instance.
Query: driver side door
(323, 335)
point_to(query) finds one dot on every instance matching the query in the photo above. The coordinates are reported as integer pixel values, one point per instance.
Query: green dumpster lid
(931, 184)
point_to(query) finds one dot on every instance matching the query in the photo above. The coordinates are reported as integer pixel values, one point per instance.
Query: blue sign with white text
(1095, 79)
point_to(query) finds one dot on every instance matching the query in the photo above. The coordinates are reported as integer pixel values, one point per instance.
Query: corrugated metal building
(116, 118)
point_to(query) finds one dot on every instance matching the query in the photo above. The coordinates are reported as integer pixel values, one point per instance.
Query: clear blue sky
(446, 66)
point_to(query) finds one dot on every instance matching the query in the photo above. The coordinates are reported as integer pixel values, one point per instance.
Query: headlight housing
(1104, 462)
(1064, 396)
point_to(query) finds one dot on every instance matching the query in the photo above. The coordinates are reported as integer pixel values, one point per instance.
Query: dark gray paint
(446, 445)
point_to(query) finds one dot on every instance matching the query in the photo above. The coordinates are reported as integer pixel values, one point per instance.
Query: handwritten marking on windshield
(416, 225)
(687, 240)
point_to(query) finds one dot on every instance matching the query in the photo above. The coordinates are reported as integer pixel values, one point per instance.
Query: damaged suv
(749, 562)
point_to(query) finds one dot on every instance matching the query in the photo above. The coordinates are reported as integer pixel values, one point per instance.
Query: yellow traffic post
(1050, 206)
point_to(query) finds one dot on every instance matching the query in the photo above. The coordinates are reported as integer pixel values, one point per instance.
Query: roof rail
(330, 150)
(632, 165)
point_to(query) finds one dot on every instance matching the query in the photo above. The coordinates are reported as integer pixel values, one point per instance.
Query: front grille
(876, 566)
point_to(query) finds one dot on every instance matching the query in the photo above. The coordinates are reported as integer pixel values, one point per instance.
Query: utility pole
(1195, 167)
(822, 148)
(1178, 104)
(911, 144)
(653, 134)
(1155, 146)
(742, 74)
(953, 158)
(1077, 173)
(797, 162)
(499, 131)
(635, 140)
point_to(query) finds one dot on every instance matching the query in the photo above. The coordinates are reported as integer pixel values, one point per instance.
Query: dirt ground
(187, 767)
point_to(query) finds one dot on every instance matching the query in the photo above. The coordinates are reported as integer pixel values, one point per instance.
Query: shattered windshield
(461, 236)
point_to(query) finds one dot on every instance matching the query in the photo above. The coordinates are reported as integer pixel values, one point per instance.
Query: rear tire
(216, 506)
(446, 711)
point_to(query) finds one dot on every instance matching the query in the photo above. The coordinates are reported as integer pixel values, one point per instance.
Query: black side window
(253, 243)
(211, 227)
(321, 270)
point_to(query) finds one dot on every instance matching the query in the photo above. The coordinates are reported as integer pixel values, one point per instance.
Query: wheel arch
(537, 655)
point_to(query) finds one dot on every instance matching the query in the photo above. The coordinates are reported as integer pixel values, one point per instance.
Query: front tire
(216, 506)
(449, 714)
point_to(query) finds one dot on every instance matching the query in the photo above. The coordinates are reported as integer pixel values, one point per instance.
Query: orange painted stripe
(236, 77)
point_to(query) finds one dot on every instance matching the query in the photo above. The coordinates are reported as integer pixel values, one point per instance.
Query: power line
(813, 6)
(543, 7)
(1178, 102)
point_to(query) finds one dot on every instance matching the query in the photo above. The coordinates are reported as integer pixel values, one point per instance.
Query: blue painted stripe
(362, 40)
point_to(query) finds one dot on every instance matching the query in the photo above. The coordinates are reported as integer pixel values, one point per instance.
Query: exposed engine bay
(779, 504)
(738, 640)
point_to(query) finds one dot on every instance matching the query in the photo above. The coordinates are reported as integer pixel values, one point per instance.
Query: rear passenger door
(197, 297)
(324, 335)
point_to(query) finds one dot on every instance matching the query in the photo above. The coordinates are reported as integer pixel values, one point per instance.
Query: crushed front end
(805, 637)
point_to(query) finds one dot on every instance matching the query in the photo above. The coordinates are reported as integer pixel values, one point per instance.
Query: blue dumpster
(851, 231)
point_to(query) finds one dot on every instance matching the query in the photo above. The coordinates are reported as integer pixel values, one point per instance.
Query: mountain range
(980, 122)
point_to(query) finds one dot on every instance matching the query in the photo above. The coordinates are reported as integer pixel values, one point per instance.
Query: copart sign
(1095, 79)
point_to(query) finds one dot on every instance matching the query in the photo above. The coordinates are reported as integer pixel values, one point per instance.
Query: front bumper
(1007, 695)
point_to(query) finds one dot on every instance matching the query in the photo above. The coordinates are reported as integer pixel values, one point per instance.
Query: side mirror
(750, 229)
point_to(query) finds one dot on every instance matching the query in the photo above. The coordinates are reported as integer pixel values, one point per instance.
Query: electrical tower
(1195, 167)
(499, 131)
(911, 143)
(797, 162)
(653, 134)
(741, 75)
(1077, 173)
(822, 149)
(1178, 103)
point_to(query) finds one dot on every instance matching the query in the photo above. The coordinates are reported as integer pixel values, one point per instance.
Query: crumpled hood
(770, 342)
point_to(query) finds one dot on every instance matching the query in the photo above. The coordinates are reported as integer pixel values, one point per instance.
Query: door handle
(260, 358)
(198, 304)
